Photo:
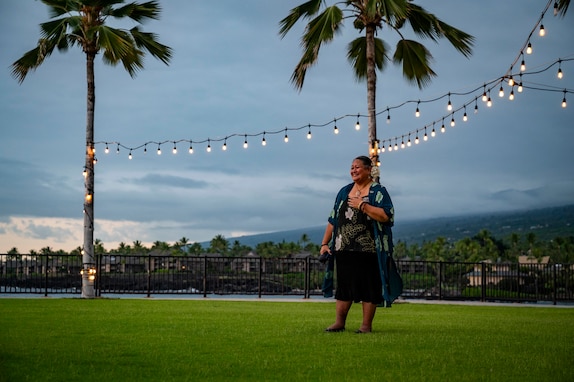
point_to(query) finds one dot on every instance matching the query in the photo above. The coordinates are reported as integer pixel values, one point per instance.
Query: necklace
(360, 190)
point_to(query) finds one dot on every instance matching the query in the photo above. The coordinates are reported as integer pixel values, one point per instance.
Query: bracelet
(324, 244)
(361, 206)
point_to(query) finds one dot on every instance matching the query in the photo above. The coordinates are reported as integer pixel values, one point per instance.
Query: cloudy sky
(230, 77)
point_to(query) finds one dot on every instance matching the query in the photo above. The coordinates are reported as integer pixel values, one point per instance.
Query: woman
(359, 236)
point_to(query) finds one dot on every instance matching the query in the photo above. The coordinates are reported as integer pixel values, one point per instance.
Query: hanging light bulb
(442, 128)
(145, 149)
(390, 146)
(564, 100)
(388, 118)
(501, 92)
(383, 147)
(520, 85)
(118, 149)
(286, 139)
(475, 107)
(452, 122)
(85, 173)
(224, 147)
(396, 145)
(523, 65)
(425, 138)
(529, 48)
(464, 116)
(484, 97)
(559, 74)
(309, 136)
(510, 80)
(542, 31)
(409, 141)
(158, 150)
(417, 112)
(357, 125)
(174, 149)
(190, 148)
(489, 101)
(403, 142)
(335, 130)
(107, 149)
(130, 155)
(245, 144)
(449, 105)
(208, 149)
(433, 132)
(263, 141)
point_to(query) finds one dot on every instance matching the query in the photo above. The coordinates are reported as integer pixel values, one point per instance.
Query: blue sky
(229, 77)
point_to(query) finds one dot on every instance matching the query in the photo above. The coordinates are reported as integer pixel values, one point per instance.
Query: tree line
(480, 247)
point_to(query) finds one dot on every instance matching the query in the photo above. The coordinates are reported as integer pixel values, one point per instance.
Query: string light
(357, 127)
(523, 65)
(564, 100)
(452, 122)
(107, 149)
(224, 147)
(484, 97)
(449, 105)
(520, 84)
(501, 91)
(190, 148)
(529, 48)
(309, 136)
(542, 32)
(442, 128)
(409, 141)
(335, 128)
(263, 141)
(130, 155)
(286, 138)
(388, 116)
(433, 132)
(245, 144)
(396, 145)
(417, 112)
(403, 142)
(489, 100)
(464, 116)
(158, 149)
(475, 106)
(208, 149)
(417, 138)
(118, 149)
(145, 149)
(559, 74)
(510, 79)
(425, 138)
(511, 95)
(174, 150)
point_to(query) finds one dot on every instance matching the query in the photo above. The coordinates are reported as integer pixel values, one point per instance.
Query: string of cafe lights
(392, 143)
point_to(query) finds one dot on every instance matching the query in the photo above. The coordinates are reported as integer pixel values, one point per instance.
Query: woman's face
(359, 172)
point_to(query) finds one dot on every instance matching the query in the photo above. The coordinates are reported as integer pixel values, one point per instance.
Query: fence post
(440, 271)
(259, 282)
(482, 282)
(46, 278)
(554, 284)
(307, 293)
(149, 274)
(204, 276)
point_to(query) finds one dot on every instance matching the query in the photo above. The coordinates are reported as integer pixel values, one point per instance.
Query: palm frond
(138, 12)
(57, 8)
(357, 55)
(32, 59)
(319, 30)
(415, 59)
(460, 40)
(563, 7)
(305, 10)
(150, 43)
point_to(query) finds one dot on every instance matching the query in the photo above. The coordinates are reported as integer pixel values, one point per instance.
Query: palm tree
(82, 23)
(369, 53)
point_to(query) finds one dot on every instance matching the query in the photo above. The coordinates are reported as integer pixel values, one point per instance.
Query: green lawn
(196, 340)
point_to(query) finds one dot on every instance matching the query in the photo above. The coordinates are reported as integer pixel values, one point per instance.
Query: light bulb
(501, 92)
(409, 142)
(263, 142)
(449, 106)
(357, 125)
(511, 81)
(442, 128)
(564, 102)
(190, 149)
(475, 108)
(465, 117)
(388, 119)
(418, 112)
(208, 149)
(390, 147)
(425, 138)
(433, 133)
(402, 144)
(522, 66)
(396, 146)
(245, 144)
(158, 150)
(286, 139)
(511, 96)
(542, 30)
(519, 87)
(107, 149)
(224, 147)
(309, 136)
(417, 140)
(529, 48)
(489, 102)
(174, 150)
(559, 75)
(452, 122)
(335, 130)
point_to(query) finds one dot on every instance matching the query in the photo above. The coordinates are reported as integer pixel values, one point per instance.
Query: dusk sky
(230, 77)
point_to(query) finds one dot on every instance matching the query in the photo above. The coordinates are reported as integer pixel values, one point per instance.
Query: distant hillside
(546, 223)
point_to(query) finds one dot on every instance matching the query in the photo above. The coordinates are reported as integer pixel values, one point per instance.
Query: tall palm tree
(369, 53)
(82, 23)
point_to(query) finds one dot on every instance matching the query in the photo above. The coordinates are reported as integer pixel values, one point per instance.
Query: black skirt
(358, 277)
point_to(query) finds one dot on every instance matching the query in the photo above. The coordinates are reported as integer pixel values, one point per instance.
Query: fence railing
(185, 275)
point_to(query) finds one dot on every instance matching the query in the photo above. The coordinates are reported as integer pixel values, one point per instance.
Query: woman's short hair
(365, 159)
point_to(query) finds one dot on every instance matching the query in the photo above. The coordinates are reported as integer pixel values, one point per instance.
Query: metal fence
(301, 275)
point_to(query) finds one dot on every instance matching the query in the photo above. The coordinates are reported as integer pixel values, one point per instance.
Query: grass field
(208, 340)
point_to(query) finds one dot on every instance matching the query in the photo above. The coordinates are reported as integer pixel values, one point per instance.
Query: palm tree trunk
(371, 94)
(88, 256)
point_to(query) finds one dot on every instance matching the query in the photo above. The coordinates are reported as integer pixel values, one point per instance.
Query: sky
(230, 77)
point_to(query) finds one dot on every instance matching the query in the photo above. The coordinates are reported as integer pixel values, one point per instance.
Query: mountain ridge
(546, 223)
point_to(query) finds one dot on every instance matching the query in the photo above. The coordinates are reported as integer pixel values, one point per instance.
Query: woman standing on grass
(359, 236)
